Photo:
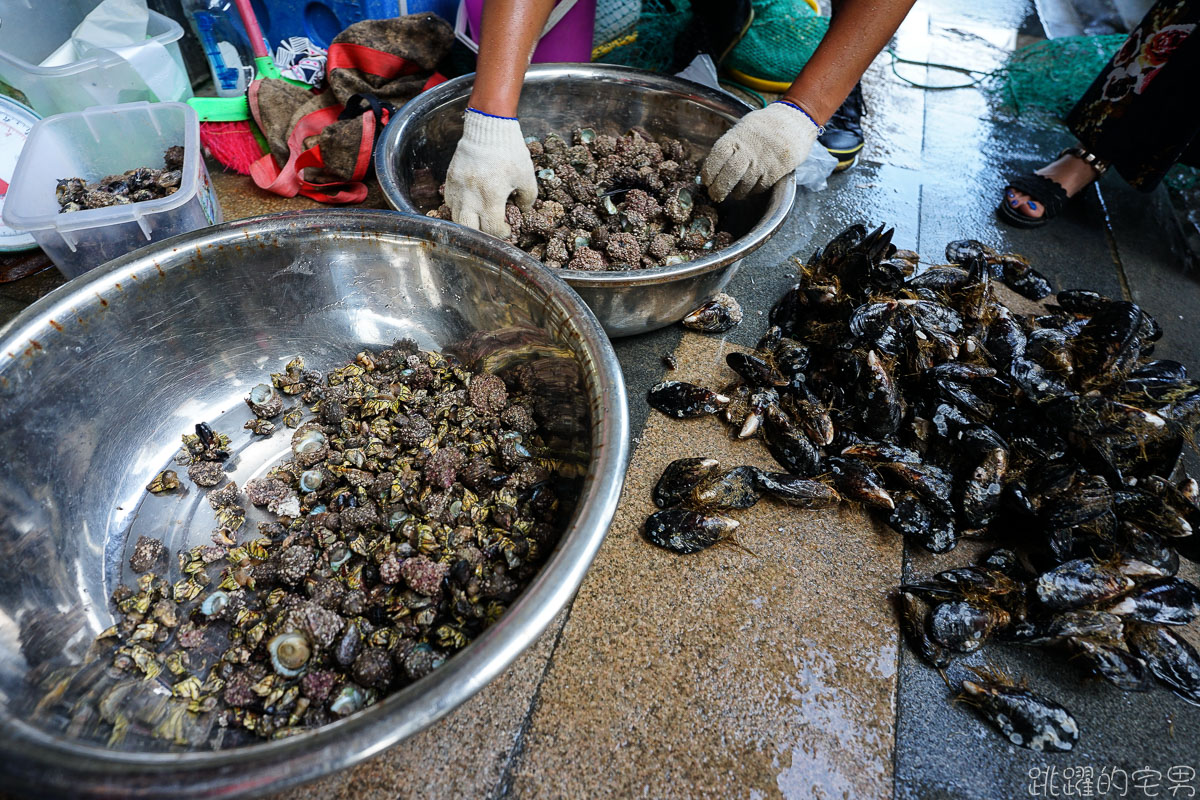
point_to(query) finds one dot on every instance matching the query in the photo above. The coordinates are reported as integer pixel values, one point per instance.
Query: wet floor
(776, 671)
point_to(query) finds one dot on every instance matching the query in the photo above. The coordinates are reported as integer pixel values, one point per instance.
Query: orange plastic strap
(288, 181)
(367, 59)
(355, 190)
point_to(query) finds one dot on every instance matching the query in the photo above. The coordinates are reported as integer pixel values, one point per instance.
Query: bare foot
(1070, 172)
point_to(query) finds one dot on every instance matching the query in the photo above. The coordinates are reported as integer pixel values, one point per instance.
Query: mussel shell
(1082, 499)
(1002, 560)
(769, 341)
(684, 400)
(349, 645)
(945, 278)
(733, 489)
(1023, 717)
(879, 399)
(859, 483)
(1079, 301)
(797, 491)
(910, 517)
(882, 453)
(794, 451)
(755, 371)
(1027, 282)
(682, 531)
(720, 314)
(1135, 542)
(1096, 626)
(841, 244)
(913, 613)
(960, 251)
(978, 581)
(680, 477)
(1006, 340)
(870, 319)
(1169, 656)
(931, 483)
(1111, 342)
(1079, 583)
(1119, 667)
(791, 358)
(963, 626)
(1169, 601)
(1038, 383)
(984, 488)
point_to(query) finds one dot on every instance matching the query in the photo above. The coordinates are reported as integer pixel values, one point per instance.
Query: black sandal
(1040, 189)
(1043, 190)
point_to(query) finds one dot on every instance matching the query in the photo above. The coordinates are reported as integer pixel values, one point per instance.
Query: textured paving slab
(724, 672)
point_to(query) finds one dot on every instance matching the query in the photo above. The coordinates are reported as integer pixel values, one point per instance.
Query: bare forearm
(510, 32)
(857, 33)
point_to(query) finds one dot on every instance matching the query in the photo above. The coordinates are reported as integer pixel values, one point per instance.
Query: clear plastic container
(105, 141)
(31, 31)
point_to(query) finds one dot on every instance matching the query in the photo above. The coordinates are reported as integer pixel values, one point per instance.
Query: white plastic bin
(30, 30)
(91, 145)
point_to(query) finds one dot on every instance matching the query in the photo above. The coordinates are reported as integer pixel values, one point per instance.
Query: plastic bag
(814, 173)
(119, 27)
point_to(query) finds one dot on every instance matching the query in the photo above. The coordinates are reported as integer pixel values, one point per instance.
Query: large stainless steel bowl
(99, 379)
(416, 147)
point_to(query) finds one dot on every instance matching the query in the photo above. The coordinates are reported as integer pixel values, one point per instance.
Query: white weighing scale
(16, 121)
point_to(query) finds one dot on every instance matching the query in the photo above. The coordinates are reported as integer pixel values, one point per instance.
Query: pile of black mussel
(915, 391)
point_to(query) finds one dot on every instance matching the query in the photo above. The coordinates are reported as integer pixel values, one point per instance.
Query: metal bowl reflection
(415, 149)
(99, 379)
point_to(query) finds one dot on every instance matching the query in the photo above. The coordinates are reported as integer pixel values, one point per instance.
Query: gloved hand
(490, 163)
(760, 149)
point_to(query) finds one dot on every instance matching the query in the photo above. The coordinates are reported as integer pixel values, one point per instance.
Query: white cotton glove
(490, 163)
(760, 149)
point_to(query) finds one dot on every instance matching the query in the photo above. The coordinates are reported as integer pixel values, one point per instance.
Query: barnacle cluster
(917, 392)
(419, 499)
(615, 203)
(132, 186)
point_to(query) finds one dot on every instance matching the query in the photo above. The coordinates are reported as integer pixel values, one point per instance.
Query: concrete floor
(782, 673)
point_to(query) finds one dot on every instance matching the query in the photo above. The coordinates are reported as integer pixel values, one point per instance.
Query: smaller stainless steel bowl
(415, 149)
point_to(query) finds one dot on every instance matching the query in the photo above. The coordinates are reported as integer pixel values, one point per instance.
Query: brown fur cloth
(421, 39)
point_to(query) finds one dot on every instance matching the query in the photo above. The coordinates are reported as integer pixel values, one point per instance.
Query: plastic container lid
(16, 121)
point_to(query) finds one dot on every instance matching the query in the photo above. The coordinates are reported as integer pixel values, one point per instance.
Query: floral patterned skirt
(1142, 113)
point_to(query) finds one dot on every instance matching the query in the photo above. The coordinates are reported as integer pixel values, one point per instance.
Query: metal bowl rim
(782, 197)
(431, 698)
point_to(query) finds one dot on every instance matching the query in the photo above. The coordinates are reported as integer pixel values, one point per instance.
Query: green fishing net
(780, 41)
(651, 43)
(1052, 75)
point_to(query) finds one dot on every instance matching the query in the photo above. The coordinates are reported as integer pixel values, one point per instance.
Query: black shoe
(843, 136)
(715, 28)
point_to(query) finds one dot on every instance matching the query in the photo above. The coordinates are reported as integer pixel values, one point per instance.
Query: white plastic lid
(16, 121)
